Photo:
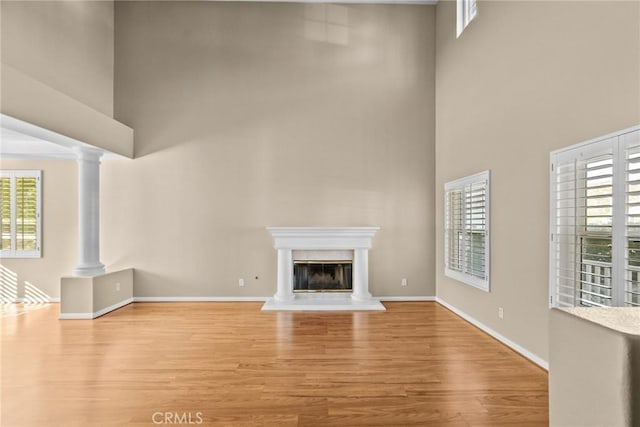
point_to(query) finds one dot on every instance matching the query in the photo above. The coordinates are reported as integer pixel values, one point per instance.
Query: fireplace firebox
(322, 276)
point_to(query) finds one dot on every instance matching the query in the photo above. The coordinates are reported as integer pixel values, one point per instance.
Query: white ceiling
(17, 145)
(22, 140)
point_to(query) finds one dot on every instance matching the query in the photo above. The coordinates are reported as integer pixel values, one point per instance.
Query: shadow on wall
(10, 289)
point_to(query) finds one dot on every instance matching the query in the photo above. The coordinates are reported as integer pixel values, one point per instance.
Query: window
(595, 223)
(20, 214)
(466, 230)
(466, 10)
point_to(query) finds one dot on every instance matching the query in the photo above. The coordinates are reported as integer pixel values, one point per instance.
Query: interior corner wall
(35, 279)
(525, 78)
(67, 45)
(250, 115)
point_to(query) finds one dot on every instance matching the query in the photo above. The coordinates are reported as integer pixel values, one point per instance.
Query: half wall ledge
(91, 297)
(594, 366)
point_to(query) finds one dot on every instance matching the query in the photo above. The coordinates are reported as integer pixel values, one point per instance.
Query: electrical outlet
(118, 286)
(500, 313)
(241, 282)
(404, 282)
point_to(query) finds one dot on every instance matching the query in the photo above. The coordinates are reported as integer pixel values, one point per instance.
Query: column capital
(88, 154)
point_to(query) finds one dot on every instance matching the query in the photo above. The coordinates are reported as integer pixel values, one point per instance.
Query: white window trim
(466, 11)
(468, 279)
(13, 253)
(588, 148)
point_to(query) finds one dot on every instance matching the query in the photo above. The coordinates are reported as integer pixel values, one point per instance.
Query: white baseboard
(257, 299)
(98, 313)
(112, 307)
(69, 316)
(506, 341)
(409, 299)
(200, 299)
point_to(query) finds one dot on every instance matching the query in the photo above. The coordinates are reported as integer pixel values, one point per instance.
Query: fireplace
(322, 276)
(322, 268)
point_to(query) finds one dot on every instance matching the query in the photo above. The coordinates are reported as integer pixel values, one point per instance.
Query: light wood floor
(231, 364)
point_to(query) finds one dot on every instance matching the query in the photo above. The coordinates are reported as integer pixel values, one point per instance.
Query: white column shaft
(89, 214)
(360, 275)
(285, 275)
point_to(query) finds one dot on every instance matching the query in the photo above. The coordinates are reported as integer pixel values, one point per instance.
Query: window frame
(21, 253)
(618, 146)
(483, 177)
(466, 11)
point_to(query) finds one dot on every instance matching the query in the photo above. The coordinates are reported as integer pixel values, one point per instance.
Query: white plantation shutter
(471, 10)
(564, 250)
(475, 228)
(454, 226)
(467, 230)
(582, 225)
(595, 223)
(20, 214)
(630, 292)
(5, 212)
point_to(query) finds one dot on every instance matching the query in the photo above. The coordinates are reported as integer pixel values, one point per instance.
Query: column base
(362, 297)
(89, 270)
(284, 298)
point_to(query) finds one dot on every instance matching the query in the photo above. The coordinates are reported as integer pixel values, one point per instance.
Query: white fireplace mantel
(318, 239)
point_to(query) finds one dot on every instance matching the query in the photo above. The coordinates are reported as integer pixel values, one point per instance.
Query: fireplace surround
(336, 246)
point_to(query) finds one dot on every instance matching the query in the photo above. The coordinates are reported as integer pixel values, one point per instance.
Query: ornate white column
(360, 275)
(284, 290)
(88, 213)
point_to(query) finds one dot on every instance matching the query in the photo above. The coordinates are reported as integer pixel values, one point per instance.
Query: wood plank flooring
(229, 364)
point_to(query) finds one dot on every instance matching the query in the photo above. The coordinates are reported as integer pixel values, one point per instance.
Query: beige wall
(246, 116)
(526, 78)
(67, 45)
(59, 231)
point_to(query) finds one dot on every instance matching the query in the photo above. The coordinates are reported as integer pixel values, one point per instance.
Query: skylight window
(466, 11)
